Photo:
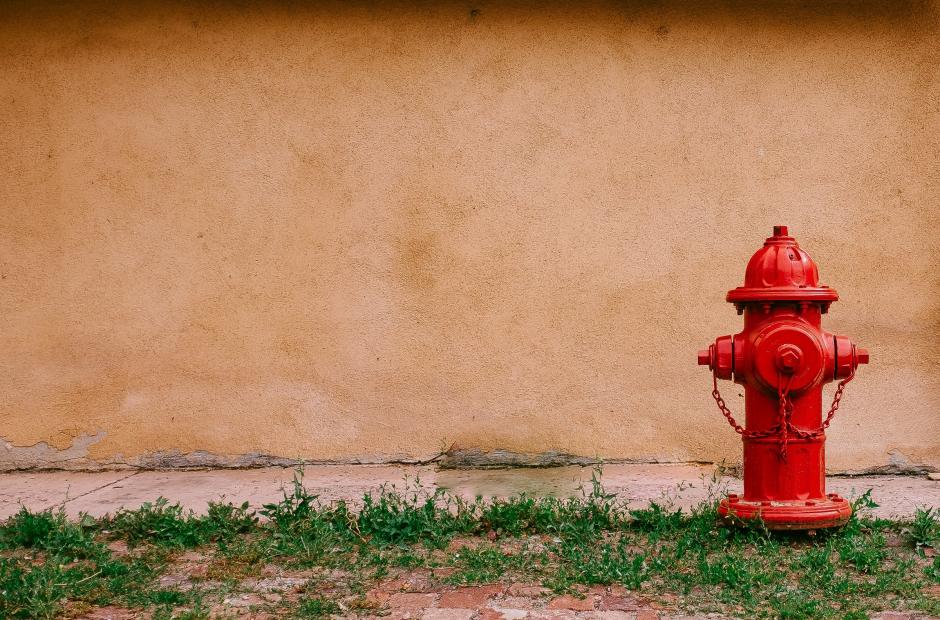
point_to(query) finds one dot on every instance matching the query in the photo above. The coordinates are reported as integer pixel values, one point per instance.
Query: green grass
(316, 607)
(924, 530)
(52, 566)
(48, 559)
(168, 525)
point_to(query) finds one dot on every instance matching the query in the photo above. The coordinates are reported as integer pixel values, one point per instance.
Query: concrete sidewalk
(99, 493)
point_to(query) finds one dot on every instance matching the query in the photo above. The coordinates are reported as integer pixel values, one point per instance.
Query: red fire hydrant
(783, 358)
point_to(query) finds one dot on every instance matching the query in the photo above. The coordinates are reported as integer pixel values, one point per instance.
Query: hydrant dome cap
(781, 271)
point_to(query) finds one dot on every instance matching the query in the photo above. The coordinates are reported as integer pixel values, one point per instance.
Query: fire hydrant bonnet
(781, 271)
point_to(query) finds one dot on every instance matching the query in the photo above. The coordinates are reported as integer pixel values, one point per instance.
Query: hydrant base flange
(833, 511)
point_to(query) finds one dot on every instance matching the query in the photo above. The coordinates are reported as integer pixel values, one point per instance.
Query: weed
(865, 552)
(306, 532)
(606, 564)
(237, 558)
(164, 524)
(862, 504)
(296, 506)
(50, 532)
(316, 607)
(485, 565)
(933, 571)
(224, 521)
(158, 523)
(657, 520)
(924, 530)
(413, 516)
(796, 606)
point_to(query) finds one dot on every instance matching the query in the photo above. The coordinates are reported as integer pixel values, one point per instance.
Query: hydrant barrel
(783, 358)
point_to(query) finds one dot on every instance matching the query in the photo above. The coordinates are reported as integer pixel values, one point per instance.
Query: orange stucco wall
(374, 230)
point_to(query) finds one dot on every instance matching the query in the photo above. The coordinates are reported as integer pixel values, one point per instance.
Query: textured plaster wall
(369, 231)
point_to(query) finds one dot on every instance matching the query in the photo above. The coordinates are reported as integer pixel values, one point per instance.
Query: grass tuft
(168, 525)
(924, 530)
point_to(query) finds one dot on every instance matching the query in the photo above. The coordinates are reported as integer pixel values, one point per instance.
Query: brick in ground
(411, 600)
(469, 597)
(573, 603)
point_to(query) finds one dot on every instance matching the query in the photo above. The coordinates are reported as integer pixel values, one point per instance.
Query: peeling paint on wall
(199, 459)
(75, 458)
(43, 456)
(898, 464)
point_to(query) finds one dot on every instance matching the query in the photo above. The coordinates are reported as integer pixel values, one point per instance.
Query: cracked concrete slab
(897, 497)
(194, 489)
(43, 490)
(683, 486)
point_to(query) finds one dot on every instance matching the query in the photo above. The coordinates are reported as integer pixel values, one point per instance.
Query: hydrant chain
(836, 400)
(786, 409)
(740, 430)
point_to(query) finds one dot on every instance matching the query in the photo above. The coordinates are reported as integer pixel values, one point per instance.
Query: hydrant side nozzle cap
(704, 358)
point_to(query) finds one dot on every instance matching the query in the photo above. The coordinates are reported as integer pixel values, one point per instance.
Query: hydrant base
(832, 511)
